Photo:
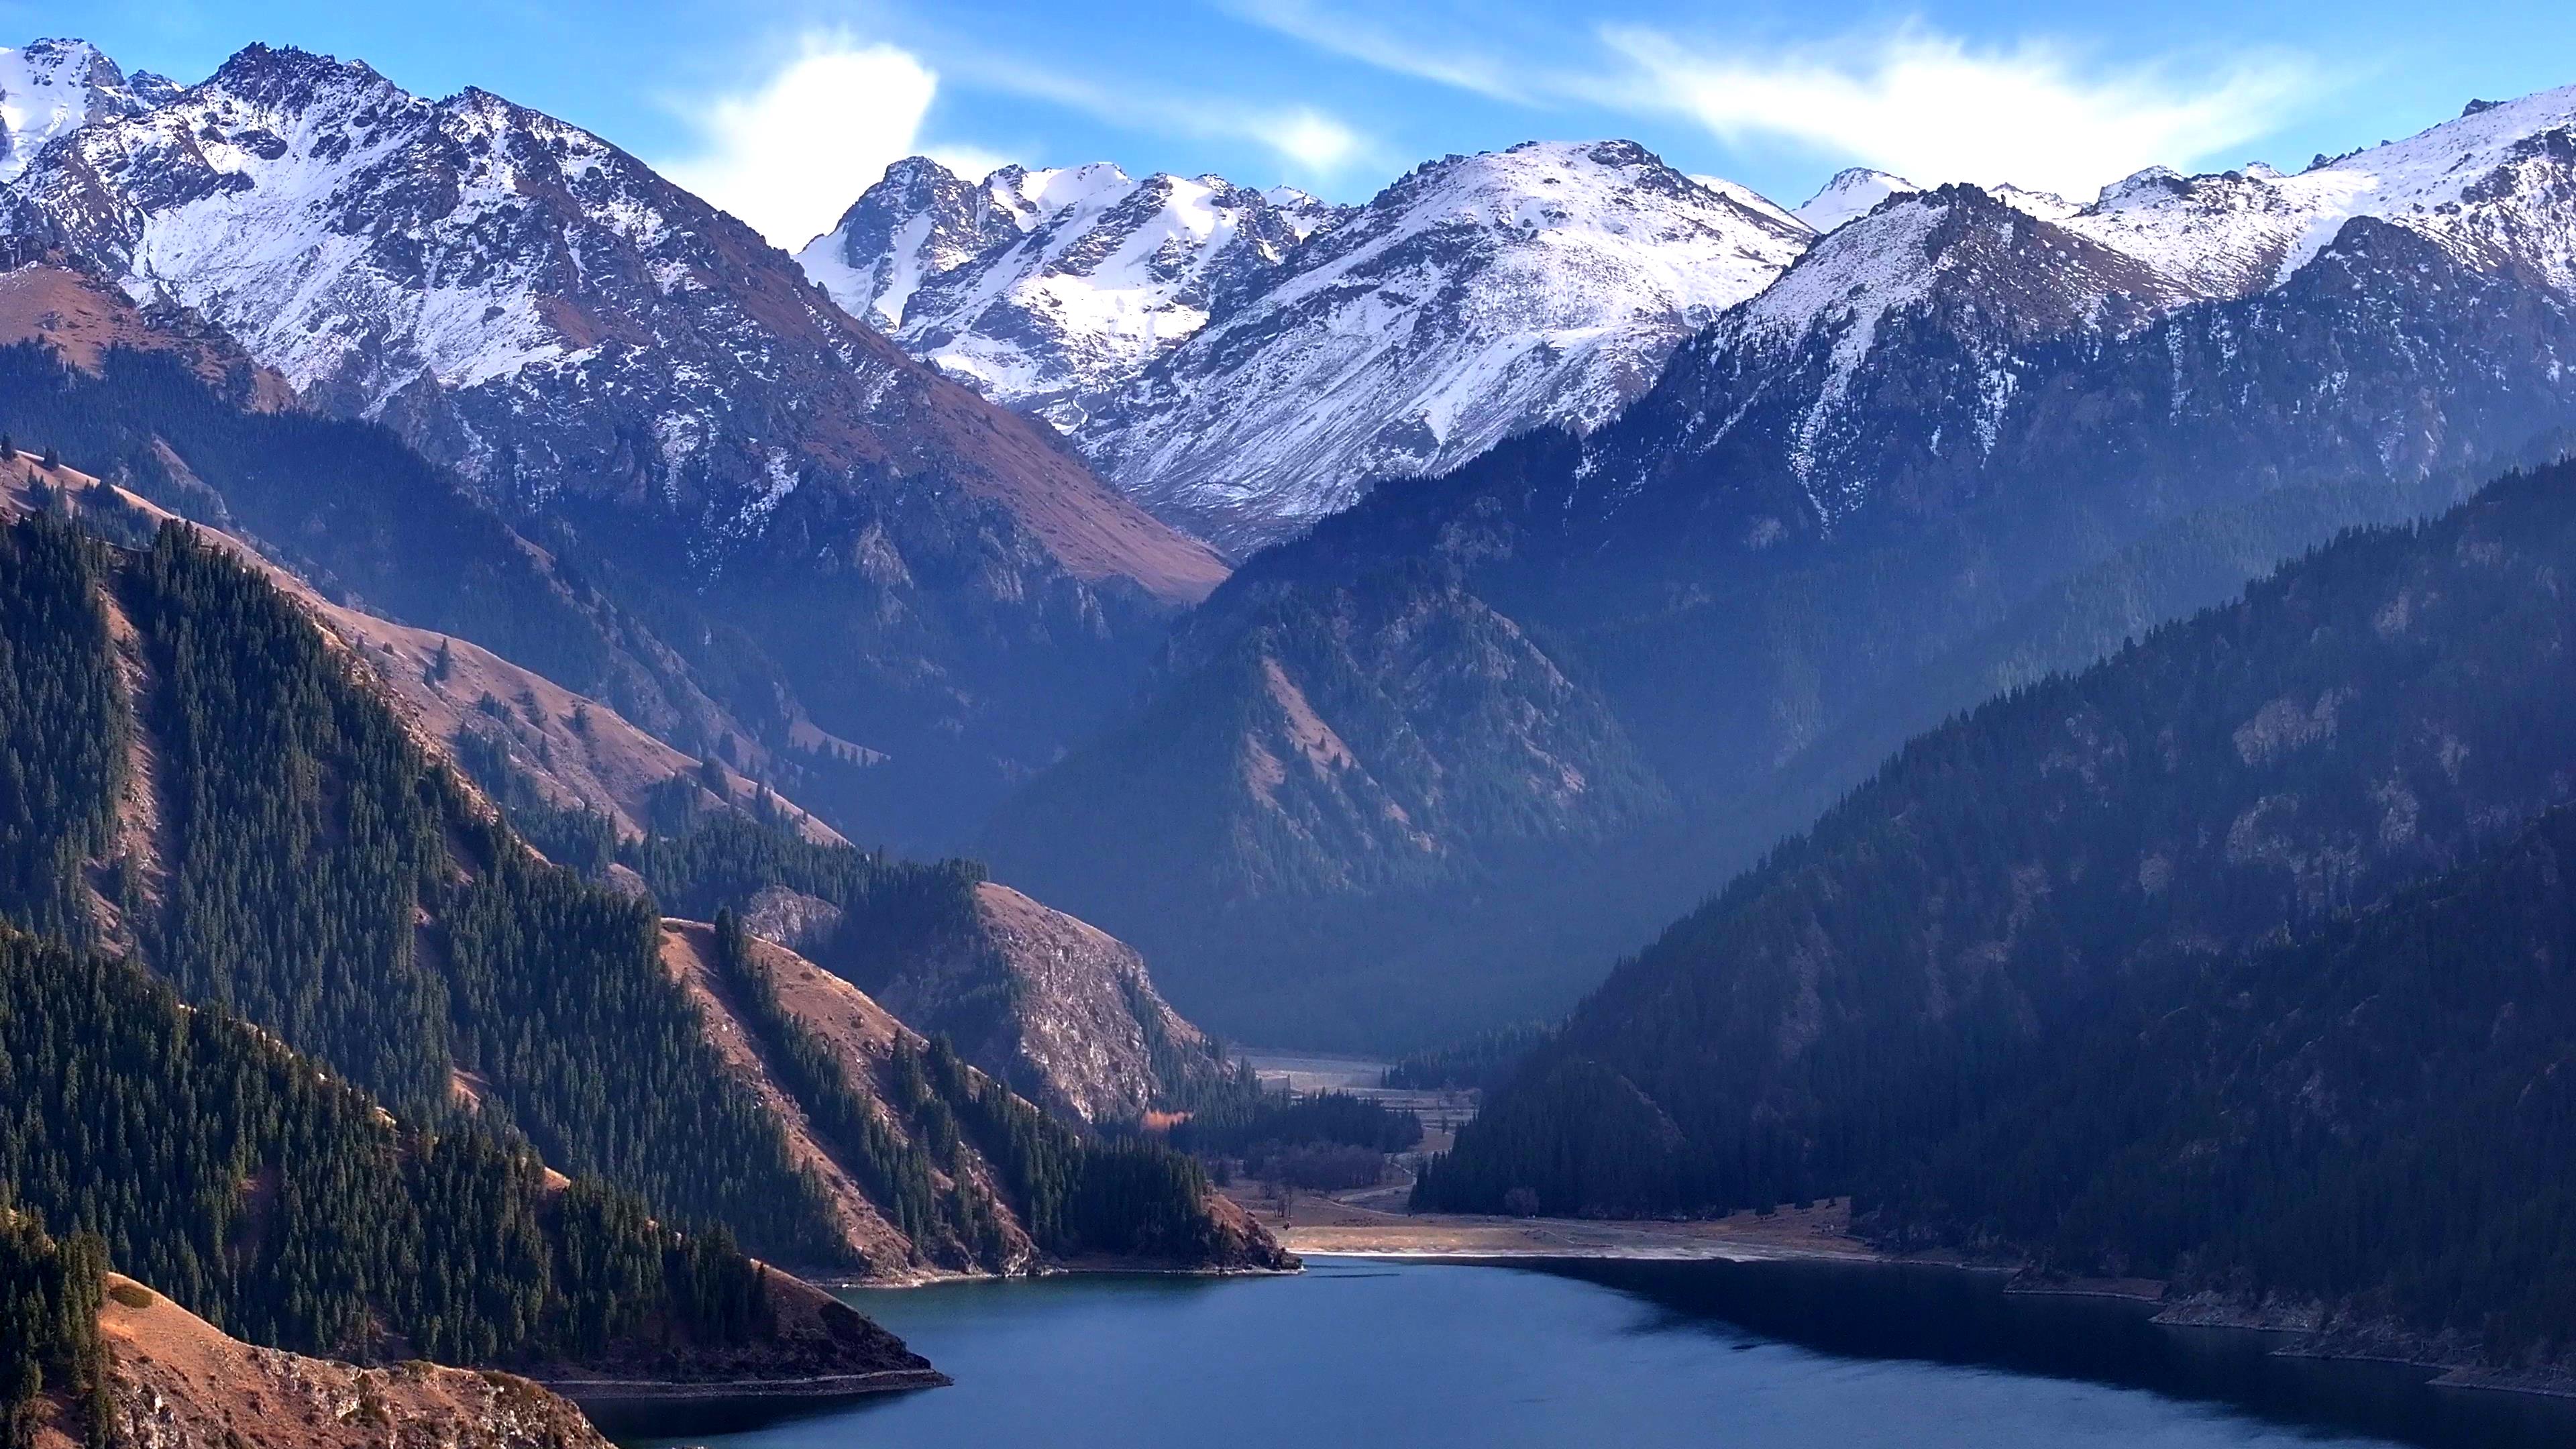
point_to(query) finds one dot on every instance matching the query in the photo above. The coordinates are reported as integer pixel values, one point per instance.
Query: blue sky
(783, 111)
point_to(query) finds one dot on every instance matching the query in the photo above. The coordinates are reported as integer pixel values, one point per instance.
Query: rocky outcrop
(1053, 1005)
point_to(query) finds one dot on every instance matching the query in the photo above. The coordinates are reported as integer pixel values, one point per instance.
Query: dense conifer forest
(320, 877)
(285, 1207)
(2039, 986)
(49, 1302)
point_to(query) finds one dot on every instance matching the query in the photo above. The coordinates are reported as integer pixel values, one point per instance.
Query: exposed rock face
(1057, 1007)
(803, 924)
(180, 1383)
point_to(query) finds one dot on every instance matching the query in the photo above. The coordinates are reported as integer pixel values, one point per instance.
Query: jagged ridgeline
(286, 1208)
(2022, 990)
(275, 845)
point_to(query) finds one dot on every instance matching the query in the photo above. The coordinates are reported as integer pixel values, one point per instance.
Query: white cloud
(1931, 108)
(1908, 99)
(1374, 39)
(1313, 140)
(790, 156)
(1301, 136)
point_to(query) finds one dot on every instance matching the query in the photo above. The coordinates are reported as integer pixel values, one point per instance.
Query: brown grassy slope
(44, 300)
(861, 1036)
(1080, 1015)
(180, 1383)
(607, 765)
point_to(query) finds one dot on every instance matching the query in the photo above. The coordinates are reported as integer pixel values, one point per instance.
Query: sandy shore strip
(1357, 1229)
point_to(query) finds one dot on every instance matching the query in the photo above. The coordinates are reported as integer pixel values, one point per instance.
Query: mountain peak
(1046, 288)
(55, 85)
(1476, 297)
(1851, 192)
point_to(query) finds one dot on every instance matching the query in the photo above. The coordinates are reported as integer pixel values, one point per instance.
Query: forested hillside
(2009, 980)
(1064, 1013)
(195, 1152)
(297, 860)
(973, 1175)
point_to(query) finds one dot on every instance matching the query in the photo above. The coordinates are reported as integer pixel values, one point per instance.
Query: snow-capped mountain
(1969, 437)
(533, 304)
(1477, 297)
(1991, 271)
(1046, 289)
(50, 87)
(2490, 187)
(1851, 193)
(612, 361)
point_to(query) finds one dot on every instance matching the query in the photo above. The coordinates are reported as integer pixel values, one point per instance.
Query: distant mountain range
(1966, 438)
(632, 377)
(1245, 363)
(1597, 523)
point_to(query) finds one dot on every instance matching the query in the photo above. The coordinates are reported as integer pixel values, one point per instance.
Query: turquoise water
(1617, 1355)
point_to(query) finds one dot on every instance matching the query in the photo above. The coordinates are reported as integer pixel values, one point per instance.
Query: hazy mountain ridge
(1942, 409)
(2023, 988)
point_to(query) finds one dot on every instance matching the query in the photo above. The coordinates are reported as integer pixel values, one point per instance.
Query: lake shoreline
(1813, 1235)
(612, 1395)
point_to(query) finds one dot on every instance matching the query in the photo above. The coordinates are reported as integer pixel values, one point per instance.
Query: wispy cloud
(789, 153)
(1907, 98)
(1303, 136)
(1383, 40)
(1936, 109)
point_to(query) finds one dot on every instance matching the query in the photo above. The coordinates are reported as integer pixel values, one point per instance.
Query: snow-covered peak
(1851, 193)
(50, 87)
(2496, 186)
(1066, 189)
(1476, 297)
(919, 221)
(2046, 205)
(1047, 288)
(1751, 199)
(535, 306)
(1306, 212)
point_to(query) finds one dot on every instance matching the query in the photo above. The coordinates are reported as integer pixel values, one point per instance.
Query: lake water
(1615, 1355)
